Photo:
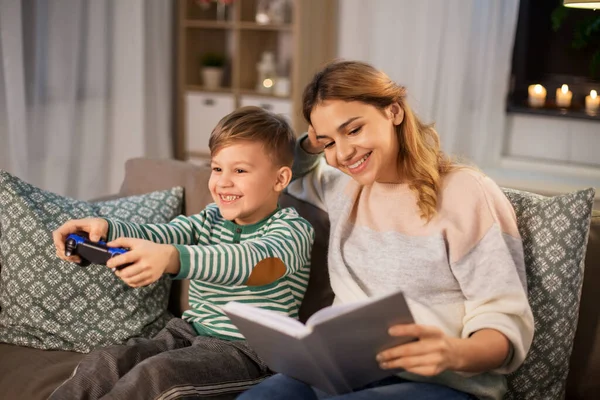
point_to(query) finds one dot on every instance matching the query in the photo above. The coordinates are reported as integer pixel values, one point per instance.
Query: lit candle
(537, 95)
(563, 97)
(592, 102)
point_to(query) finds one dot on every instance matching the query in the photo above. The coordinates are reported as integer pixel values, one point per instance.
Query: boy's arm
(182, 230)
(288, 239)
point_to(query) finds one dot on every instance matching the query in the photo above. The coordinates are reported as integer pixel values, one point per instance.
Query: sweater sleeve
(486, 257)
(182, 230)
(289, 239)
(313, 180)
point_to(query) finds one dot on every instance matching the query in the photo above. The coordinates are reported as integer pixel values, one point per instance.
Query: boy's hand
(433, 352)
(149, 261)
(96, 228)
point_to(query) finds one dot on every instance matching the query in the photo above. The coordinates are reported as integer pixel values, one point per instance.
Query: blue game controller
(79, 244)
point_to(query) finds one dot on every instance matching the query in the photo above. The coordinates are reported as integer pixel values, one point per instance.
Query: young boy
(242, 247)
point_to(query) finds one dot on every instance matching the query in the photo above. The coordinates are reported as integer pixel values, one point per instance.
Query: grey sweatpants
(176, 364)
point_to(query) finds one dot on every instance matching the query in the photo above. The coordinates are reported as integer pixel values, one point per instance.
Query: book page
(330, 312)
(271, 319)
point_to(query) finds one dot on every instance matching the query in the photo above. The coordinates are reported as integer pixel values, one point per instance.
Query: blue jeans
(393, 388)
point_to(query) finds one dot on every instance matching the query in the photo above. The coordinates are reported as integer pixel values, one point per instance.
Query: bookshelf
(301, 44)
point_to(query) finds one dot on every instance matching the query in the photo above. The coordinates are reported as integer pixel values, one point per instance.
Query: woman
(404, 216)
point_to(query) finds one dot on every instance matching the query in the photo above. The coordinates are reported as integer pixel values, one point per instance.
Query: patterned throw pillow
(48, 303)
(555, 233)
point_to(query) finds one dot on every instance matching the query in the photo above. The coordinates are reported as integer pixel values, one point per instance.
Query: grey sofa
(27, 373)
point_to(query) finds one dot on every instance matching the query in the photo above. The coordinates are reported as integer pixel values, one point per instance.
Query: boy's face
(245, 183)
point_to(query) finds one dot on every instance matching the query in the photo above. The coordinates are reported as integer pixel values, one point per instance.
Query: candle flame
(537, 89)
(565, 89)
(593, 94)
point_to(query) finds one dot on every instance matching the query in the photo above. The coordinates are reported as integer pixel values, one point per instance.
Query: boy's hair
(254, 124)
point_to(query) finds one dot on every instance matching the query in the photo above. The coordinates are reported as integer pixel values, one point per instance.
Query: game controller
(79, 244)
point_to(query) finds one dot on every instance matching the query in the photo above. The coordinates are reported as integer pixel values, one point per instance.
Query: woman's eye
(328, 145)
(355, 131)
(216, 169)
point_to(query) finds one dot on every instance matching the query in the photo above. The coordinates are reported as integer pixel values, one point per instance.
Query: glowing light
(268, 83)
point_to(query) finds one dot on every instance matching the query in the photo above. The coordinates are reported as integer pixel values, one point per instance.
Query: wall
(541, 154)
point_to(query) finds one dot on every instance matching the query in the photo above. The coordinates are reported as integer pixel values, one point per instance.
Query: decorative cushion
(555, 233)
(48, 303)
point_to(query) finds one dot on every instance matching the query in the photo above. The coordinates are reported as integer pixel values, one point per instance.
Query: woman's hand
(433, 352)
(312, 145)
(96, 228)
(149, 261)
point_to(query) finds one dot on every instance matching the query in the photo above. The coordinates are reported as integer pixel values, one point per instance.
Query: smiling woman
(405, 217)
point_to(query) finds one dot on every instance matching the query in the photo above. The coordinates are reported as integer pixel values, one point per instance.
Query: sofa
(27, 373)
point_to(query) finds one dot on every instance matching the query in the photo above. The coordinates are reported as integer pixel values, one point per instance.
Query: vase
(221, 11)
(211, 77)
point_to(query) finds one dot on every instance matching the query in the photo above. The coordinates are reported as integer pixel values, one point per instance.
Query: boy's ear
(284, 176)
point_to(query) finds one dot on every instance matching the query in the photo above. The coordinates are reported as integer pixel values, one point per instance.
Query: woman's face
(359, 139)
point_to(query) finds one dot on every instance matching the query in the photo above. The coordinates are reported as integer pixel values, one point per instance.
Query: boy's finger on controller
(117, 261)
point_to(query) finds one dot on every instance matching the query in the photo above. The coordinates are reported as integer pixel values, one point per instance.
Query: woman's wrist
(483, 351)
(307, 146)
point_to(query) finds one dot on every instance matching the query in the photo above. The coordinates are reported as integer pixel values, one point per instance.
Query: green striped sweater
(218, 256)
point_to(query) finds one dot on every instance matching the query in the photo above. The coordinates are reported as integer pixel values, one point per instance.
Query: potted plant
(212, 70)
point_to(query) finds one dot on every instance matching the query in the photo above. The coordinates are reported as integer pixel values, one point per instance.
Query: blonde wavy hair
(421, 160)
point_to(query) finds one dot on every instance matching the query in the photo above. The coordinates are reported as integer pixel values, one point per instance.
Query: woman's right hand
(96, 228)
(312, 145)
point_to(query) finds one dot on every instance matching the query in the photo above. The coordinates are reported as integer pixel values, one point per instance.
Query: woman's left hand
(433, 352)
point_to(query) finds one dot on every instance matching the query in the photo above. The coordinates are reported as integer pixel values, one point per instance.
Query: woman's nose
(345, 151)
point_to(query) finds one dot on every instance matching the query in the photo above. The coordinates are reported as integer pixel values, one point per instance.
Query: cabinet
(302, 42)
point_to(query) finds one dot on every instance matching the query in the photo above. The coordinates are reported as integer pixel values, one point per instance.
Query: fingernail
(113, 269)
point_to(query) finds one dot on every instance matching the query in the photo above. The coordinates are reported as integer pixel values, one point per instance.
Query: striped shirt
(218, 257)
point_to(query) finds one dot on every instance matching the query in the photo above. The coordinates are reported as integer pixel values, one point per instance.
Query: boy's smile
(244, 182)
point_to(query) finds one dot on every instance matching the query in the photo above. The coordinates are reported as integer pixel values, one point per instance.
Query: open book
(335, 351)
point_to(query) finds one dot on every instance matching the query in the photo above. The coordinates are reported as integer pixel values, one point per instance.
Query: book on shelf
(335, 350)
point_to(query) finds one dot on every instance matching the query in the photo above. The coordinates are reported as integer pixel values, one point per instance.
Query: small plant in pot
(212, 70)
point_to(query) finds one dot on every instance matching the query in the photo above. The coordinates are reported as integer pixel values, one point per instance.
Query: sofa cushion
(27, 373)
(584, 368)
(555, 233)
(48, 303)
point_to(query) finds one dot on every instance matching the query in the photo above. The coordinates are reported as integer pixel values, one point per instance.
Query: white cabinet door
(203, 111)
(278, 106)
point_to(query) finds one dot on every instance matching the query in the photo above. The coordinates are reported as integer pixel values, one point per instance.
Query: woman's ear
(284, 176)
(397, 113)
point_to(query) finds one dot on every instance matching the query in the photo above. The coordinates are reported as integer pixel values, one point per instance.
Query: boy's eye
(239, 171)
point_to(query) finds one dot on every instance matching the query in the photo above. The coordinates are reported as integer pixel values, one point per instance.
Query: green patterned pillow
(48, 303)
(555, 233)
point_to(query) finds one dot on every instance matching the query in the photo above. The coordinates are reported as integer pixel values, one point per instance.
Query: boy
(242, 247)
